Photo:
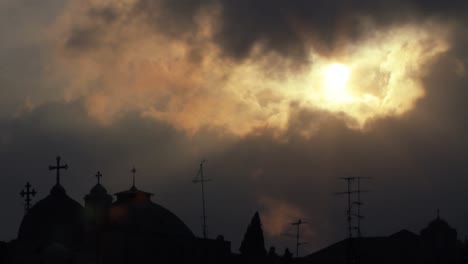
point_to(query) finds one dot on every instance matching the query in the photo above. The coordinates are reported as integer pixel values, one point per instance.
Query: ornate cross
(133, 172)
(98, 176)
(28, 192)
(58, 168)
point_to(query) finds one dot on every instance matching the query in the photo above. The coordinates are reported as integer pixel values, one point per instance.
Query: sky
(281, 98)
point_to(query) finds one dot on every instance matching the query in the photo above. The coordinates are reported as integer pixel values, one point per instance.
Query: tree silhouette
(287, 255)
(253, 243)
(272, 252)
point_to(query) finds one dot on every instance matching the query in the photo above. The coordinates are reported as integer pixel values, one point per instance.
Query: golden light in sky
(376, 76)
(335, 82)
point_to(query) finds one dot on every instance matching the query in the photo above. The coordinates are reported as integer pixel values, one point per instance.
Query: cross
(133, 172)
(28, 193)
(98, 176)
(58, 168)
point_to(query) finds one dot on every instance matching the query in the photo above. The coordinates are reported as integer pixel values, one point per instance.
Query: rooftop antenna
(202, 180)
(133, 173)
(298, 243)
(359, 204)
(352, 253)
(27, 193)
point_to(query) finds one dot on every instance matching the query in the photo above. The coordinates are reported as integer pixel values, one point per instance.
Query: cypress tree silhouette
(287, 255)
(254, 243)
(272, 252)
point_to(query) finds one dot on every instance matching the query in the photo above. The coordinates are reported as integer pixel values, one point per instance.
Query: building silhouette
(436, 244)
(131, 229)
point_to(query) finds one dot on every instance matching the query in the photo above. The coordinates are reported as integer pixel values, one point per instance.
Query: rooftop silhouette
(131, 228)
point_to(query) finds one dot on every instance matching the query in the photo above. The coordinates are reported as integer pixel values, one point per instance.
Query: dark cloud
(84, 38)
(417, 161)
(171, 17)
(24, 53)
(289, 28)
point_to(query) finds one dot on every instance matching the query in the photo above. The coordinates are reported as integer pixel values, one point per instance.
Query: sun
(335, 82)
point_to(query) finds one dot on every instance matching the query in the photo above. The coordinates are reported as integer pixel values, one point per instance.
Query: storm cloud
(162, 85)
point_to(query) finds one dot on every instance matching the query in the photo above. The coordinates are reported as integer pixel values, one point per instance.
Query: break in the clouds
(232, 66)
(244, 65)
(251, 86)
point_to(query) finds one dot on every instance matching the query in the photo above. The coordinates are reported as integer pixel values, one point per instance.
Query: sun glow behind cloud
(186, 81)
(380, 76)
(336, 78)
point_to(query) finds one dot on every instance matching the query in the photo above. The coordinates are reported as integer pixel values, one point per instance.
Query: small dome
(58, 190)
(438, 229)
(439, 223)
(98, 190)
(98, 196)
(134, 210)
(55, 219)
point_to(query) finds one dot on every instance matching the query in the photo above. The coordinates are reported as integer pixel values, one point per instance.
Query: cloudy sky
(281, 98)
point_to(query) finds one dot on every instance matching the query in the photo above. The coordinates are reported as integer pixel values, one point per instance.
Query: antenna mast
(359, 203)
(202, 180)
(298, 243)
(352, 254)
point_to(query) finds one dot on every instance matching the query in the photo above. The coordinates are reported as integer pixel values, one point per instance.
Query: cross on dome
(58, 168)
(98, 176)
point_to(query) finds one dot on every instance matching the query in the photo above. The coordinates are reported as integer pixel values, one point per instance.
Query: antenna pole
(353, 250)
(202, 180)
(298, 243)
(297, 239)
(349, 218)
(203, 199)
(359, 203)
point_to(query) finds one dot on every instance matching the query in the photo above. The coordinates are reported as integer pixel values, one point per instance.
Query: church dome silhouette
(133, 211)
(439, 223)
(437, 227)
(55, 219)
(98, 190)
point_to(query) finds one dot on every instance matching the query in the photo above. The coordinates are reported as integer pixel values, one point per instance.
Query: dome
(438, 226)
(135, 211)
(55, 219)
(98, 190)
(98, 195)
